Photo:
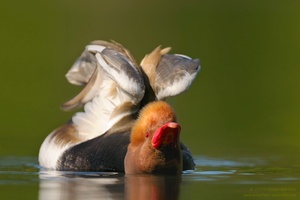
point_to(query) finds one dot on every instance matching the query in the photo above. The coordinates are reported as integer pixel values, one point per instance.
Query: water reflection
(233, 178)
(73, 185)
(102, 185)
(152, 187)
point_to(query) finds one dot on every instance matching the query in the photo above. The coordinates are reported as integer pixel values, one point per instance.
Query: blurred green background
(245, 101)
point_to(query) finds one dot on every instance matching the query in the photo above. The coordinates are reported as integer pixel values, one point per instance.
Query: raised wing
(113, 87)
(169, 74)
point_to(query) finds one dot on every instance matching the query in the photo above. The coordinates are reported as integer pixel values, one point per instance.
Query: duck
(115, 90)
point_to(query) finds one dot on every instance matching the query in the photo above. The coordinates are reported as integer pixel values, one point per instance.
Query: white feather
(127, 84)
(177, 87)
(96, 118)
(92, 121)
(95, 48)
(184, 56)
(50, 152)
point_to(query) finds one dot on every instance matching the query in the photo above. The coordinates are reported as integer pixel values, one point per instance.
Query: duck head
(155, 142)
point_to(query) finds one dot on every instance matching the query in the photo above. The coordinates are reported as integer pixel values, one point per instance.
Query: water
(244, 101)
(214, 178)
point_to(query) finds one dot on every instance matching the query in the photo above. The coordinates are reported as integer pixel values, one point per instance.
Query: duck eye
(147, 134)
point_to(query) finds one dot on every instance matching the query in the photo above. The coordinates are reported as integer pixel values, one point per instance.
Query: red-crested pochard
(116, 89)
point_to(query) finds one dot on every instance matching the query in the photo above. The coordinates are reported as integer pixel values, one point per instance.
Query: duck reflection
(152, 187)
(76, 185)
(106, 185)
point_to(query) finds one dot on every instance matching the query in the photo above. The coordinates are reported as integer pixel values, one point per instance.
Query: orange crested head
(155, 141)
(154, 116)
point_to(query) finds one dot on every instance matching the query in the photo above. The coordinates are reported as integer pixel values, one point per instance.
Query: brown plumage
(154, 144)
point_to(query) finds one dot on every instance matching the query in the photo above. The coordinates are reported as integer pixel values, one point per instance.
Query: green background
(245, 100)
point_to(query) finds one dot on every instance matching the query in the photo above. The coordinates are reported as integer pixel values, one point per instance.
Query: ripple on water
(18, 170)
(25, 170)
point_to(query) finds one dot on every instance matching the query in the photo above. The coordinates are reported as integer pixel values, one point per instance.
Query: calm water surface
(214, 178)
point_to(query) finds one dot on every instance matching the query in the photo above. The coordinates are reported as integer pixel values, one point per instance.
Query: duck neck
(149, 92)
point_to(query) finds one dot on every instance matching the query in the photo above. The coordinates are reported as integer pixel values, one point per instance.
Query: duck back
(103, 153)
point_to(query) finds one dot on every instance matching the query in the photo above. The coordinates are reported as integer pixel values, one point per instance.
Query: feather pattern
(111, 82)
(108, 91)
(169, 74)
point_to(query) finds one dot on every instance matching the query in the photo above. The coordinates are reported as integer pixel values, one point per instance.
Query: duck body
(103, 153)
(118, 96)
(107, 154)
(109, 151)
